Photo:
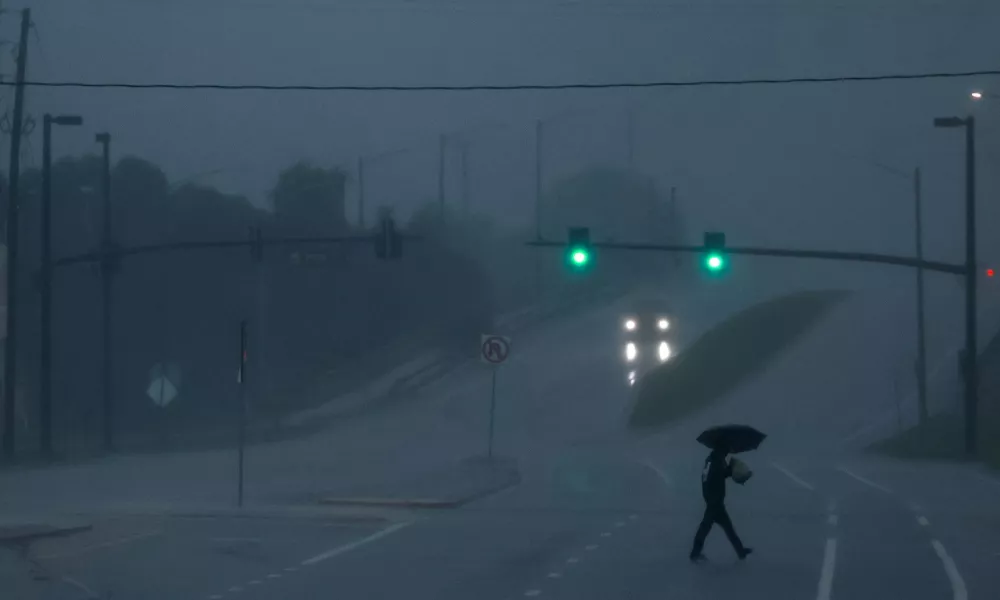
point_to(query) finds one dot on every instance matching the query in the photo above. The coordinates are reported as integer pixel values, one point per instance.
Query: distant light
(989, 272)
(630, 325)
(664, 351)
(977, 95)
(714, 262)
(662, 324)
(631, 352)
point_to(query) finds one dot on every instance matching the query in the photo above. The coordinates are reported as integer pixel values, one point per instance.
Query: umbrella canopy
(734, 438)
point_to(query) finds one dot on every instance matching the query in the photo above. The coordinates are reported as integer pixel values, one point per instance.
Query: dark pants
(715, 513)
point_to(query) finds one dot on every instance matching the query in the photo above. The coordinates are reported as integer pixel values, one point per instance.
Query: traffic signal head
(579, 252)
(388, 243)
(715, 256)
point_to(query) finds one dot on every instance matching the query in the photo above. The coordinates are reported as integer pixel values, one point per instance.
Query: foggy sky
(771, 165)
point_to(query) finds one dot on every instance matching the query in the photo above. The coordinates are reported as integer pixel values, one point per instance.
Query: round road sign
(495, 349)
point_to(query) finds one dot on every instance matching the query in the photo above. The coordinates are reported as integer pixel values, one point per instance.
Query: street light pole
(107, 277)
(970, 363)
(45, 383)
(921, 339)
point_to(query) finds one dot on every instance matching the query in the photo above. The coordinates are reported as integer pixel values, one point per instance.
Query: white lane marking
(832, 520)
(826, 574)
(793, 477)
(235, 589)
(619, 523)
(659, 473)
(868, 482)
(215, 597)
(333, 552)
(958, 591)
(633, 517)
(532, 593)
(254, 582)
(923, 520)
(591, 547)
(606, 534)
(555, 575)
(291, 569)
(102, 545)
(274, 576)
(572, 560)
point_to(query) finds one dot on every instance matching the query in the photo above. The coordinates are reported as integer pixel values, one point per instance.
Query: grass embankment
(726, 356)
(942, 437)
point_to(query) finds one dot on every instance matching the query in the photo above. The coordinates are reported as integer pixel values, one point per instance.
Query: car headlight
(664, 351)
(630, 324)
(631, 377)
(631, 351)
(663, 324)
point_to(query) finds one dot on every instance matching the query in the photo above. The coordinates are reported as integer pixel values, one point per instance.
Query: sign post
(493, 351)
(241, 425)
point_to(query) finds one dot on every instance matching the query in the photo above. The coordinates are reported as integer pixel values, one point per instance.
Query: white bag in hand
(741, 472)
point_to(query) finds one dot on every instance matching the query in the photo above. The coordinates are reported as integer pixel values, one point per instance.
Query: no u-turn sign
(494, 349)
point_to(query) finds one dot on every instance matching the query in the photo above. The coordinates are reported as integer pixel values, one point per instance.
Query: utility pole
(10, 351)
(108, 272)
(442, 147)
(971, 343)
(630, 138)
(361, 192)
(45, 385)
(538, 179)
(465, 178)
(921, 340)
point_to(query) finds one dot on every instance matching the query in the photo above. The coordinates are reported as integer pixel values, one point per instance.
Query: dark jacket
(713, 477)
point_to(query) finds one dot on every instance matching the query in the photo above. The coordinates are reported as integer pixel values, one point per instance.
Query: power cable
(512, 87)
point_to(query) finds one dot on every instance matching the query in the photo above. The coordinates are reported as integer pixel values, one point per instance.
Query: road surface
(598, 513)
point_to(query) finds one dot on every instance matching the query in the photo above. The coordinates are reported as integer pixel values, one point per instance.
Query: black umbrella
(734, 438)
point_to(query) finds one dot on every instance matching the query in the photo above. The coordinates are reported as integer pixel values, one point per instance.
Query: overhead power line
(510, 87)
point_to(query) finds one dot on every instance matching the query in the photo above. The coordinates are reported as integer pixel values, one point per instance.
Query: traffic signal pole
(864, 257)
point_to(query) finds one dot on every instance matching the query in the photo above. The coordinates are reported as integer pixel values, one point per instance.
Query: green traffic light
(715, 262)
(580, 257)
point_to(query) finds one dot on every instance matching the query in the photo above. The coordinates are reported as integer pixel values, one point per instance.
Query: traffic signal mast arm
(869, 257)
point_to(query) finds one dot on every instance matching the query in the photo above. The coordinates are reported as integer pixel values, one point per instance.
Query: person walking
(713, 488)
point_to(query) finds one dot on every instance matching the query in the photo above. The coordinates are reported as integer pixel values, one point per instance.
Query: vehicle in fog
(646, 338)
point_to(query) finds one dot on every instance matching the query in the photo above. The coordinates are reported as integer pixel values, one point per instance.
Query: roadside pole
(241, 425)
(493, 352)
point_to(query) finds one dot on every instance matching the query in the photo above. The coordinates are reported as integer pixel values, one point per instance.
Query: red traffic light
(989, 272)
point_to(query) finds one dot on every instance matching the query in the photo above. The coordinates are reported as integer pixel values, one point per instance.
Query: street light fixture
(969, 364)
(45, 387)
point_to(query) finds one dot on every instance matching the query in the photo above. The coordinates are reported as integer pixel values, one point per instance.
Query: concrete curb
(510, 480)
(28, 532)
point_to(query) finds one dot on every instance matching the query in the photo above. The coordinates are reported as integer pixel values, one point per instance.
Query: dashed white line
(619, 523)
(867, 482)
(215, 597)
(291, 569)
(958, 591)
(274, 576)
(591, 547)
(254, 582)
(826, 574)
(633, 517)
(922, 520)
(572, 560)
(555, 575)
(354, 545)
(793, 477)
(832, 520)
(235, 589)
(606, 534)
(531, 593)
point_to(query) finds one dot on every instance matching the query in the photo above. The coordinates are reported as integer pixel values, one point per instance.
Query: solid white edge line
(659, 473)
(333, 552)
(867, 482)
(825, 588)
(793, 477)
(958, 591)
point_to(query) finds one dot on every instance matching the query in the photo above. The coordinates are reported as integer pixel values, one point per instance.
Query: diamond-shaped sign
(161, 391)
